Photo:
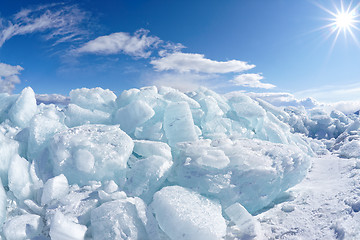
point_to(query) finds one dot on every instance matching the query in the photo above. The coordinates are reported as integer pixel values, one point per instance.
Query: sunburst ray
(343, 20)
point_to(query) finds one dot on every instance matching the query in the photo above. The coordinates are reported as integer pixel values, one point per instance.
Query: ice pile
(151, 163)
(317, 123)
(348, 142)
(338, 132)
(329, 128)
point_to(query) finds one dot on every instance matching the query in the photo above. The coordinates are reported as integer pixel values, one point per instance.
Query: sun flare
(343, 20)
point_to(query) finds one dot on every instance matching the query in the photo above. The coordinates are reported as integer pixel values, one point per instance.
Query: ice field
(156, 163)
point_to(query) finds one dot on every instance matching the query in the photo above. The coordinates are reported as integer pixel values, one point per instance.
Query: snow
(323, 206)
(156, 163)
(246, 226)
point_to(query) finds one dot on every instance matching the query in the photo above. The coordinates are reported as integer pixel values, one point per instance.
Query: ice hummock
(90, 153)
(114, 167)
(252, 172)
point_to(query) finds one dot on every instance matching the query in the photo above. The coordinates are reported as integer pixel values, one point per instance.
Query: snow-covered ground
(325, 205)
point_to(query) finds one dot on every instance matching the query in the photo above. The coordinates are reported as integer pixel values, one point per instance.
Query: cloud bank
(9, 77)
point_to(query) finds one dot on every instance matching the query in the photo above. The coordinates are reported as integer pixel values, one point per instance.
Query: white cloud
(137, 45)
(251, 80)
(331, 94)
(276, 98)
(346, 107)
(9, 77)
(170, 47)
(187, 70)
(182, 81)
(52, 99)
(280, 99)
(344, 98)
(283, 99)
(187, 62)
(59, 23)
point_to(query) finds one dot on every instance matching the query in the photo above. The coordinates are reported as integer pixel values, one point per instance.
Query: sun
(343, 20)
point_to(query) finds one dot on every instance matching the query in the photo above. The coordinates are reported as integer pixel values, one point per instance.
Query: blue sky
(232, 45)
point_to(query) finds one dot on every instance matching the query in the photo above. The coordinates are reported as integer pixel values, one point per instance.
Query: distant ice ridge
(338, 132)
(151, 163)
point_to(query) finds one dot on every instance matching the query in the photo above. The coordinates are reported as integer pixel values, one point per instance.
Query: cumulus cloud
(137, 45)
(9, 77)
(58, 22)
(251, 80)
(187, 62)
